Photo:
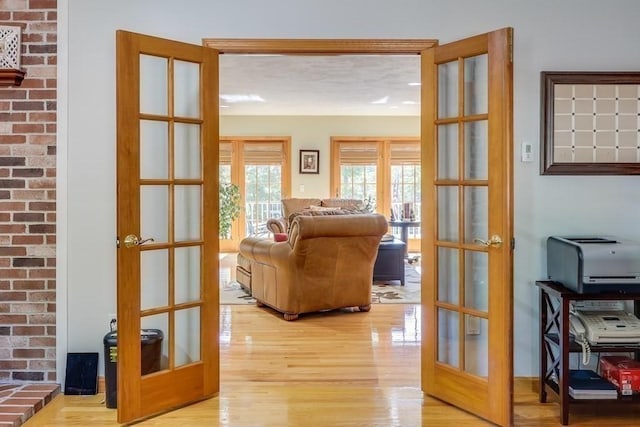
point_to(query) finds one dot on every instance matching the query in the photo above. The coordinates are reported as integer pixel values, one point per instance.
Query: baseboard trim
(526, 384)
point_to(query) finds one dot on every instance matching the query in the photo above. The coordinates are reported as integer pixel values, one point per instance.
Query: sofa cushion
(295, 204)
(342, 203)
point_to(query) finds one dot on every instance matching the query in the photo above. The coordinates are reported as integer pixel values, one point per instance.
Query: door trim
(321, 46)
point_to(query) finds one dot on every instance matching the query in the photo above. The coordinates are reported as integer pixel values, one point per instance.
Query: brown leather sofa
(326, 263)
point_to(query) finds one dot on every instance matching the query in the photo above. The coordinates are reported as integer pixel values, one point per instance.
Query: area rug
(390, 292)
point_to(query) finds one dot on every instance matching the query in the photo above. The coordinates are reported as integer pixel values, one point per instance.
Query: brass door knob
(132, 240)
(494, 242)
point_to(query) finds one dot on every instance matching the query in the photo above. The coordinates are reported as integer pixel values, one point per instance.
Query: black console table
(555, 345)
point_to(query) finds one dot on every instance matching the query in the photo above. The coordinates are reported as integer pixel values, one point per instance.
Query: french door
(167, 225)
(166, 193)
(467, 298)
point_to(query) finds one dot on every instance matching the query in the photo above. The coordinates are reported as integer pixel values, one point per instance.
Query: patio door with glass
(167, 228)
(467, 225)
(259, 166)
(386, 172)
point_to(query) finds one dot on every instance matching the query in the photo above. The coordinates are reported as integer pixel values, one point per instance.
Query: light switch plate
(527, 152)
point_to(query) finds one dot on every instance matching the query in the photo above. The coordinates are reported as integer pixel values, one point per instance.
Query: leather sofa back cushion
(295, 204)
(343, 203)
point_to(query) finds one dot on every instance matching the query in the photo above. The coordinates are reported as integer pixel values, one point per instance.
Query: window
(385, 170)
(260, 167)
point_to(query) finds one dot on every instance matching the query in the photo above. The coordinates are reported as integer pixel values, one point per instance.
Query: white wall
(314, 133)
(549, 35)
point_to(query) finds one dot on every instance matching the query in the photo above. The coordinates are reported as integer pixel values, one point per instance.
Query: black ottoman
(390, 261)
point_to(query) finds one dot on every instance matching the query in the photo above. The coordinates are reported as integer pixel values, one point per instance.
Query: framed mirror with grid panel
(590, 123)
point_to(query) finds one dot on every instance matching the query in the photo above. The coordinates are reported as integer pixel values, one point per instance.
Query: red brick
(32, 83)
(28, 285)
(28, 106)
(33, 60)
(41, 273)
(28, 16)
(28, 128)
(42, 319)
(13, 273)
(42, 206)
(14, 296)
(12, 251)
(10, 365)
(13, 117)
(11, 206)
(28, 353)
(31, 38)
(12, 139)
(27, 240)
(11, 229)
(13, 319)
(43, 342)
(11, 420)
(13, 94)
(43, 4)
(29, 330)
(38, 117)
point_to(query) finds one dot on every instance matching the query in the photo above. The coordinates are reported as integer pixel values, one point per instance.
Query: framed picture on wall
(309, 161)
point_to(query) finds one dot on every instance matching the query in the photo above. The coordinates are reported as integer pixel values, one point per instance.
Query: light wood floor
(329, 369)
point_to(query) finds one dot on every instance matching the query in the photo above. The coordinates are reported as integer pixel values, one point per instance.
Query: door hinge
(513, 243)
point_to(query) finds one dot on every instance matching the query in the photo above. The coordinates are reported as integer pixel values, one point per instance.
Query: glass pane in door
(187, 336)
(187, 89)
(448, 89)
(187, 151)
(187, 274)
(154, 149)
(476, 96)
(476, 346)
(476, 150)
(154, 95)
(448, 152)
(448, 337)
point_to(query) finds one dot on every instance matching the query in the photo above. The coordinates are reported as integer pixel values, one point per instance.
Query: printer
(594, 264)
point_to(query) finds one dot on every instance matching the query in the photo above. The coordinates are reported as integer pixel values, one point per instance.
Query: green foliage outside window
(229, 208)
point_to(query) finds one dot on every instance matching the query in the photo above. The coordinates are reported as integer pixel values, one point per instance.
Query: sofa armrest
(277, 225)
(265, 251)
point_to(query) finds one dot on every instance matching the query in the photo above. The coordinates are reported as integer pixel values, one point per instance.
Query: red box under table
(623, 372)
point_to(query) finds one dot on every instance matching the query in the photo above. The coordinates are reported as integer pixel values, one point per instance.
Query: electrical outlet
(472, 325)
(113, 322)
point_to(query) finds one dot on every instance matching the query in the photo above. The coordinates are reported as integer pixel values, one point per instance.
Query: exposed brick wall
(28, 199)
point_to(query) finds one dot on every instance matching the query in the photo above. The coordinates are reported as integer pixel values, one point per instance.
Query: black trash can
(150, 355)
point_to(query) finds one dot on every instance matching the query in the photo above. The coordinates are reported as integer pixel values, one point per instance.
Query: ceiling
(338, 85)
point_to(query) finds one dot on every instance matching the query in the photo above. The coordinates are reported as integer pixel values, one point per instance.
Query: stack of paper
(586, 384)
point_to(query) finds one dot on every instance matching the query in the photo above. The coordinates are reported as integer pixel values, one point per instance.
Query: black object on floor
(82, 374)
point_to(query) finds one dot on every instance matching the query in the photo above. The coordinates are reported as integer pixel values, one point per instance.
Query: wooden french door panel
(467, 352)
(167, 190)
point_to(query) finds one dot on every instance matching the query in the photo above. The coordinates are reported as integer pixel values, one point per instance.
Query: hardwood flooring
(326, 369)
(329, 369)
